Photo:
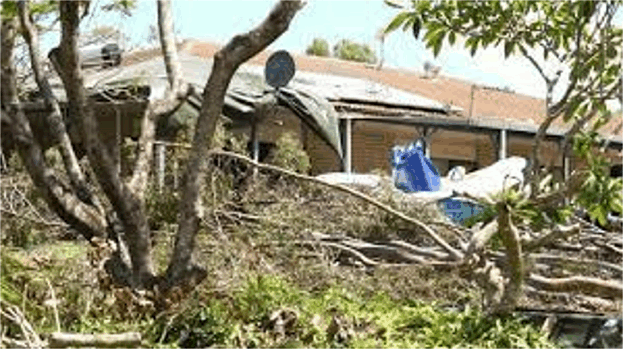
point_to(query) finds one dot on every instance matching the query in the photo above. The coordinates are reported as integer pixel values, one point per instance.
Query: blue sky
(218, 21)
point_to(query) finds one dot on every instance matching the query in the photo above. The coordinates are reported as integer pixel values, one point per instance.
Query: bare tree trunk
(512, 244)
(129, 208)
(534, 168)
(145, 148)
(61, 199)
(240, 49)
(167, 43)
(55, 118)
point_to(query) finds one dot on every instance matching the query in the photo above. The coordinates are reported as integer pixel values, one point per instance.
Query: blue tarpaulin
(412, 170)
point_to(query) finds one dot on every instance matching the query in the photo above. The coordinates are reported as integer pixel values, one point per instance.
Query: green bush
(290, 154)
(352, 51)
(318, 47)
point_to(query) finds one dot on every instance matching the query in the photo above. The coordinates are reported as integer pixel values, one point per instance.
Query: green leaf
(474, 48)
(393, 4)
(509, 46)
(397, 21)
(417, 25)
(452, 38)
(408, 24)
(438, 43)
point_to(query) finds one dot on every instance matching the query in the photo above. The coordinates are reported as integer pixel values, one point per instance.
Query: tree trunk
(54, 118)
(512, 244)
(128, 207)
(61, 199)
(156, 109)
(240, 49)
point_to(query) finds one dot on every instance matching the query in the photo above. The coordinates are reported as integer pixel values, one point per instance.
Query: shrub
(352, 51)
(318, 47)
(290, 154)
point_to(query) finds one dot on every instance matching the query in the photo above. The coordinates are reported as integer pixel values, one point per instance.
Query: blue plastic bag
(412, 170)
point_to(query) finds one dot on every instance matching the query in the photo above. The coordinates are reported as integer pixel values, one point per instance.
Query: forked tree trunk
(128, 207)
(59, 196)
(240, 49)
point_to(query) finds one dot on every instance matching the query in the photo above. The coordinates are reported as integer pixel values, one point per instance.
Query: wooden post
(159, 159)
(117, 152)
(502, 149)
(176, 166)
(349, 146)
(566, 166)
(426, 133)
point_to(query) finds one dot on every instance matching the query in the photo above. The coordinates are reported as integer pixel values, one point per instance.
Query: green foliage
(560, 31)
(290, 154)
(352, 51)
(377, 320)
(318, 47)
(124, 7)
(600, 194)
(37, 8)
(162, 206)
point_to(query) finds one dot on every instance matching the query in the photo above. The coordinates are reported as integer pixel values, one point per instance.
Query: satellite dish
(279, 69)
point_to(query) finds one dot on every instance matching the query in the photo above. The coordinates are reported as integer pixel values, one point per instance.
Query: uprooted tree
(122, 225)
(580, 42)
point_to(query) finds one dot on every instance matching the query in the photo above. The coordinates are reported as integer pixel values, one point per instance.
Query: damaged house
(347, 115)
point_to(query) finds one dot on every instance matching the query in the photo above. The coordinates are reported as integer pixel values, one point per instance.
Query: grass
(335, 317)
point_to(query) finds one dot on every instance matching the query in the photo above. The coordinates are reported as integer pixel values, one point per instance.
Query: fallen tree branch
(455, 254)
(480, 238)
(586, 285)
(546, 258)
(608, 247)
(596, 303)
(419, 250)
(78, 340)
(559, 233)
(550, 259)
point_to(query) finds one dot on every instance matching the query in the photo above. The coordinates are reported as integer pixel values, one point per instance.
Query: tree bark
(240, 49)
(129, 208)
(79, 340)
(586, 285)
(54, 118)
(61, 199)
(512, 244)
(156, 109)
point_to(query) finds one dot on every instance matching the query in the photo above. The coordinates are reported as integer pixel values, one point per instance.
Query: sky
(218, 21)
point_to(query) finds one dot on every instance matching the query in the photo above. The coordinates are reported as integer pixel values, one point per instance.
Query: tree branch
(558, 233)
(79, 340)
(54, 118)
(127, 205)
(454, 254)
(587, 285)
(226, 62)
(510, 240)
(177, 93)
(84, 218)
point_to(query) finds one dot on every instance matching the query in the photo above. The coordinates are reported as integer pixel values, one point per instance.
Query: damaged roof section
(311, 96)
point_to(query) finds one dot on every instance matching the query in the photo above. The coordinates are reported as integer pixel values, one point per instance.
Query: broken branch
(455, 254)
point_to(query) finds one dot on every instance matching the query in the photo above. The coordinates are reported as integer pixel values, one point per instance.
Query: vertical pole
(566, 167)
(471, 101)
(176, 166)
(427, 133)
(255, 146)
(159, 155)
(118, 139)
(502, 150)
(349, 145)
